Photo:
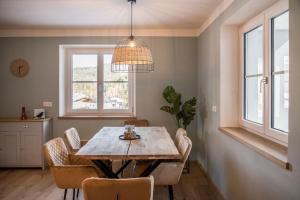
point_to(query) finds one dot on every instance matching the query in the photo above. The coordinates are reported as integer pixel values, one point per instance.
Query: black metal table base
(110, 174)
(108, 171)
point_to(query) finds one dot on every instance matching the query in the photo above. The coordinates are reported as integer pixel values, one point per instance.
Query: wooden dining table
(155, 146)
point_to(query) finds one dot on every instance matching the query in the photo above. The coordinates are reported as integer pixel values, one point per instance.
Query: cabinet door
(30, 148)
(9, 151)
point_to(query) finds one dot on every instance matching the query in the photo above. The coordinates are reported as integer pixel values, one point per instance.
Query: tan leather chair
(75, 143)
(137, 122)
(73, 140)
(122, 189)
(66, 169)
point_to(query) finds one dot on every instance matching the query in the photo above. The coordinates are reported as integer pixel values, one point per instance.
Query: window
(91, 89)
(265, 74)
(280, 72)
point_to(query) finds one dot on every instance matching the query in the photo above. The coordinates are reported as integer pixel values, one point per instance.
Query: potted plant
(184, 112)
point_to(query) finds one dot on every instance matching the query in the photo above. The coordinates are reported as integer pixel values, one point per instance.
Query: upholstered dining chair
(137, 122)
(122, 189)
(73, 140)
(182, 131)
(67, 170)
(179, 132)
(169, 173)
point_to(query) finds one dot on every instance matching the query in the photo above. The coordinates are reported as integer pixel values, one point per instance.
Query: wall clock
(19, 67)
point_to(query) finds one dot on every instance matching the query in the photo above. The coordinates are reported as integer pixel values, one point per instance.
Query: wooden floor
(33, 184)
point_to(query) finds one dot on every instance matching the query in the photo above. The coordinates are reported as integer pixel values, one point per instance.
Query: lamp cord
(131, 18)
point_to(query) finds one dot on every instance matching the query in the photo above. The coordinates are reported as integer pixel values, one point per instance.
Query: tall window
(265, 74)
(91, 87)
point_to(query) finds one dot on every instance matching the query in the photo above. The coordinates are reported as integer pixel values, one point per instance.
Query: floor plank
(29, 184)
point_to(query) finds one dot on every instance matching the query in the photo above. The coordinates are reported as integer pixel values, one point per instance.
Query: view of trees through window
(84, 81)
(89, 88)
(115, 87)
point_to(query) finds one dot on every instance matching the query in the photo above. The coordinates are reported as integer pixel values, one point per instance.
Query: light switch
(47, 104)
(214, 108)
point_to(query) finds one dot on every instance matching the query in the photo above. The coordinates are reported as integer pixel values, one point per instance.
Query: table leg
(151, 168)
(107, 171)
(123, 167)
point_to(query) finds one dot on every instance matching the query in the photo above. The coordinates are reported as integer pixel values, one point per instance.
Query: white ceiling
(110, 14)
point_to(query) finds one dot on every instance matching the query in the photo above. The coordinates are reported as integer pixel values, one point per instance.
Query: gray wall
(175, 64)
(238, 171)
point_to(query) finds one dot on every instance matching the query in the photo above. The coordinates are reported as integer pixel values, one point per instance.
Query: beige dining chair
(137, 122)
(73, 140)
(179, 132)
(122, 189)
(67, 170)
(182, 131)
(169, 173)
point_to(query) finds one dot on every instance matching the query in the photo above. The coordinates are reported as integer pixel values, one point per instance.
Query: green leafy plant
(185, 112)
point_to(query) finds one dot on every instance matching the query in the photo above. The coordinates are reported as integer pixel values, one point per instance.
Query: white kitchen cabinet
(21, 142)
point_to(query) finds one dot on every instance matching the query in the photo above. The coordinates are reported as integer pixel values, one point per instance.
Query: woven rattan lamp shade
(132, 55)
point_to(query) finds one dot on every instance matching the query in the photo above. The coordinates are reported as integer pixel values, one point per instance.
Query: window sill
(71, 117)
(273, 151)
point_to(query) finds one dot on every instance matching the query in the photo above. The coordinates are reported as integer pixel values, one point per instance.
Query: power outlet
(47, 104)
(214, 108)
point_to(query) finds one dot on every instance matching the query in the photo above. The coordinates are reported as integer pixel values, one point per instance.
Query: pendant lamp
(131, 54)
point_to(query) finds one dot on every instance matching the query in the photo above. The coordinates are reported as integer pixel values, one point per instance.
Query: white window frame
(67, 51)
(264, 20)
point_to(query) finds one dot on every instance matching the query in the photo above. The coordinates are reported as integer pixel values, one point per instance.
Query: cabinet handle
(25, 126)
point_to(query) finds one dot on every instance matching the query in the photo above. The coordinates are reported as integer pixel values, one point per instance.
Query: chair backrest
(137, 122)
(122, 189)
(56, 152)
(73, 139)
(179, 132)
(184, 147)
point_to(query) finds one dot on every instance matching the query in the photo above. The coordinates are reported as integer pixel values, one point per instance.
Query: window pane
(84, 96)
(254, 51)
(253, 94)
(281, 102)
(84, 67)
(253, 100)
(115, 87)
(110, 76)
(115, 95)
(280, 72)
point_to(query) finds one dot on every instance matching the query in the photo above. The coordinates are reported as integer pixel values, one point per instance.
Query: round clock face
(19, 67)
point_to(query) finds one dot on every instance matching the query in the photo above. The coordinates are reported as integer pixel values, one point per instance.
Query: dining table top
(155, 143)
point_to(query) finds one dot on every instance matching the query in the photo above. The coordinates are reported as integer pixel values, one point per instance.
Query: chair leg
(65, 194)
(73, 194)
(170, 188)
(77, 193)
